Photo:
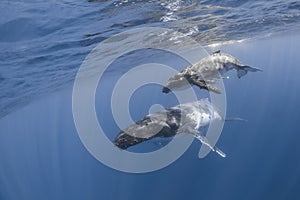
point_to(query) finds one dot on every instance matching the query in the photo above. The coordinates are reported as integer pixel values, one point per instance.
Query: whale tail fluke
(242, 70)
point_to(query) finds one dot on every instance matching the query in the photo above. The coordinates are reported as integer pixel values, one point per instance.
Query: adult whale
(204, 73)
(181, 119)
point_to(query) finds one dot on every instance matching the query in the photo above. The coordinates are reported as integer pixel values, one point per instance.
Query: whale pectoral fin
(219, 151)
(241, 72)
(235, 119)
(211, 81)
(198, 135)
(206, 142)
(205, 85)
(213, 89)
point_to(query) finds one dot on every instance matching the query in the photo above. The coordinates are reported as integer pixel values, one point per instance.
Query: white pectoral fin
(205, 141)
(235, 119)
(218, 151)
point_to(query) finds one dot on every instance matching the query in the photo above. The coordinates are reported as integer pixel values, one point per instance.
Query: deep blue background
(43, 43)
(42, 157)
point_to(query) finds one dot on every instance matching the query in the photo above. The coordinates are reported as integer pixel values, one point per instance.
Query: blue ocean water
(42, 47)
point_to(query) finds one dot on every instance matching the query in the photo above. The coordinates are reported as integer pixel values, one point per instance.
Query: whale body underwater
(181, 119)
(189, 117)
(205, 72)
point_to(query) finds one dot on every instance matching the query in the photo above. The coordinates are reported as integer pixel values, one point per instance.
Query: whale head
(177, 82)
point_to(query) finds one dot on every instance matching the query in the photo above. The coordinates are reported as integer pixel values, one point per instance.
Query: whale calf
(181, 119)
(204, 73)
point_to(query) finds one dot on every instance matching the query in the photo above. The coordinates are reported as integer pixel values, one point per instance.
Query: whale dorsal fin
(215, 52)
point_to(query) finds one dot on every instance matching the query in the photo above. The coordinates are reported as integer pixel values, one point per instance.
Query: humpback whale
(204, 73)
(181, 119)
